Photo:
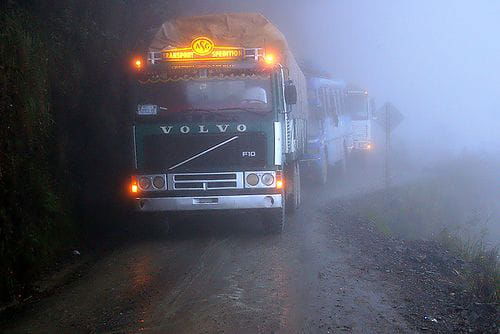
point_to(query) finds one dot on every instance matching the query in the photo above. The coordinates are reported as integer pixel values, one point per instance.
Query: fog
(437, 61)
(108, 197)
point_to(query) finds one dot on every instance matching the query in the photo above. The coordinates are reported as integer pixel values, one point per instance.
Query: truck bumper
(208, 203)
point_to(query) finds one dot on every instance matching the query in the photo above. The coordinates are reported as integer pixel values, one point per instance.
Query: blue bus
(329, 129)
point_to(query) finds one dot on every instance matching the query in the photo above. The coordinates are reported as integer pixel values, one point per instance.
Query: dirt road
(224, 276)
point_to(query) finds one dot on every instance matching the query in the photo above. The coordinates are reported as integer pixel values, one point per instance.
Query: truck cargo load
(248, 30)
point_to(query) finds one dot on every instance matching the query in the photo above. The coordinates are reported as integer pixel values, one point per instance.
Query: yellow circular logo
(202, 46)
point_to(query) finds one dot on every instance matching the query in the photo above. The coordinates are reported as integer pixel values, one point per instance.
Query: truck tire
(346, 157)
(294, 197)
(274, 220)
(341, 165)
(298, 182)
(323, 173)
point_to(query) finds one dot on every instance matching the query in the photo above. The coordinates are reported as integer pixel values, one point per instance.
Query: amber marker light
(279, 180)
(269, 59)
(138, 63)
(134, 189)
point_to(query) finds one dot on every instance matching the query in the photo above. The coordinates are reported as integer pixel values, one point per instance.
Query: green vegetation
(63, 134)
(483, 276)
(33, 220)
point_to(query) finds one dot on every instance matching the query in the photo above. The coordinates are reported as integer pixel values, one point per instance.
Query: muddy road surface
(223, 275)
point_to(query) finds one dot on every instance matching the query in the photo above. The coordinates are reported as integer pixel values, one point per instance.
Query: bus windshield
(357, 106)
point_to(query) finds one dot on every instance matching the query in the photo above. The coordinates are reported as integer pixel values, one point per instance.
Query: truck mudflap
(209, 203)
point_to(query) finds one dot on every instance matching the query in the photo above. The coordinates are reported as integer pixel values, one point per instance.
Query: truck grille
(162, 152)
(205, 181)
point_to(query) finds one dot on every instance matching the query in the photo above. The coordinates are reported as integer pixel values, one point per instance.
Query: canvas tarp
(249, 30)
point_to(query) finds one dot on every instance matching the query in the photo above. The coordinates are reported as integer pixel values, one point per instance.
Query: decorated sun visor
(204, 49)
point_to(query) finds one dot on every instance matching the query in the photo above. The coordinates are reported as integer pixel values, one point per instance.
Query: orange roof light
(279, 184)
(138, 63)
(269, 59)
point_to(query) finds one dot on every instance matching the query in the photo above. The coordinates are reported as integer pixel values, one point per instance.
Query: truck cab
(216, 128)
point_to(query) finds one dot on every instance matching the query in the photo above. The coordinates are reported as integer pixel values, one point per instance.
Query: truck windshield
(357, 106)
(221, 94)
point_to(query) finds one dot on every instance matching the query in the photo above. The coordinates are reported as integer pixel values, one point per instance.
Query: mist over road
(422, 256)
(227, 276)
(330, 271)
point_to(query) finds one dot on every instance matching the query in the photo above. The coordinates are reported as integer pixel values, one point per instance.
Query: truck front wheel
(274, 220)
(293, 190)
(323, 174)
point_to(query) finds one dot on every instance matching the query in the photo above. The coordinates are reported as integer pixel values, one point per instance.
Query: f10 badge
(250, 154)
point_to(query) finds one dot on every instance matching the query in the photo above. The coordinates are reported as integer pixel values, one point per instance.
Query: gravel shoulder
(428, 278)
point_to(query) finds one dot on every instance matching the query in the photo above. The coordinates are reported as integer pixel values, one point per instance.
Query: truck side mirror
(290, 94)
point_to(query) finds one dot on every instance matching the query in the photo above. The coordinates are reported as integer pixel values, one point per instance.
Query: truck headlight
(260, 179)
(159, 182)
(252, 179)
(144, 183)
(267, 179)
(147, 183)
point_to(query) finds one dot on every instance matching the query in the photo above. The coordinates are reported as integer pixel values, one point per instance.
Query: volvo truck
(220, 118)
